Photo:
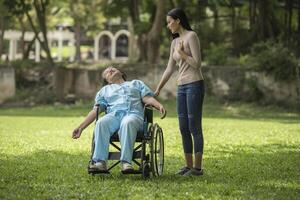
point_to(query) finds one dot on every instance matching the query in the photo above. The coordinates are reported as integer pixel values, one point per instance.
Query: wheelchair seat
(139, 137)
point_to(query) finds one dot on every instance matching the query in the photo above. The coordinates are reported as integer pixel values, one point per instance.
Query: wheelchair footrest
(95, 171)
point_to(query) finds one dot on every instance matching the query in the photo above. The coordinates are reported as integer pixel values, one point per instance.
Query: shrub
(217, 55)
(276, 59)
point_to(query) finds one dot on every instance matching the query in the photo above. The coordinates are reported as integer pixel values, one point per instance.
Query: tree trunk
(142, 43)
(42, 24)
(77, 27)
(132, 53)
(251, 13)
(216, 22)
(27, 50)
(266, 26)
(77, 41)
(148, 43)
(298, 16)
(134, 11)
(40, 8)
(2, 29)
(233, 18)
(153, 36)
(290, 18)
(22, 42)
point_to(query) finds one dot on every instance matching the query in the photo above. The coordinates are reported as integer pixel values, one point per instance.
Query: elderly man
(122, 100)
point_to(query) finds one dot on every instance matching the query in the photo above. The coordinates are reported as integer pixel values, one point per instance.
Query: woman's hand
(180, 50)
(180, 47)
(156, 93)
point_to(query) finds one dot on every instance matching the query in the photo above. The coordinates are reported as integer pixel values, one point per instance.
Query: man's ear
(178, 21)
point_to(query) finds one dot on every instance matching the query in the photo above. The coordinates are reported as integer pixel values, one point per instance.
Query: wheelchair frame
(149, 151)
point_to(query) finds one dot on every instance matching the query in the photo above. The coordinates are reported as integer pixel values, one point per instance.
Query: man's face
(111, 74)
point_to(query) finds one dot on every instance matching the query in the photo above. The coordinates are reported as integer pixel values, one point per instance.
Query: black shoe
(182, 171)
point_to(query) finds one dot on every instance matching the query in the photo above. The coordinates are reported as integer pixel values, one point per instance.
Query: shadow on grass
(269, 171)
(212, 109)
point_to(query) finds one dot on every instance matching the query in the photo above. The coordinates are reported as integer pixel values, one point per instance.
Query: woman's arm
(149, 100)
(168, 72)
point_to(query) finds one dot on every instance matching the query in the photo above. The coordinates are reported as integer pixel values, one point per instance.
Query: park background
(52, 55)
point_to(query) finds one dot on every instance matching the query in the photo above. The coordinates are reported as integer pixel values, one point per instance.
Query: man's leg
(130, 125)
(104, 129)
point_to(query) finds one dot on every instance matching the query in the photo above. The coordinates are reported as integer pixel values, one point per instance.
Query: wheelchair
(148, 153)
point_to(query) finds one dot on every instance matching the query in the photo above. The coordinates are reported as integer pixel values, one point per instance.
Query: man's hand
(76, 133)
(149, 100)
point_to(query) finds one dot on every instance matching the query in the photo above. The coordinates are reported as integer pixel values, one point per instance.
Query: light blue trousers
(128, 127)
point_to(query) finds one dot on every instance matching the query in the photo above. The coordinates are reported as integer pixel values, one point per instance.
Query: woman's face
(172, 24)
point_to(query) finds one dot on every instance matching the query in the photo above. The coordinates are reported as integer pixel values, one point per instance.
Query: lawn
(251, 152)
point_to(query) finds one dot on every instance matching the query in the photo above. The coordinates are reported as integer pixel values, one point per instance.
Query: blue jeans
(189, 108)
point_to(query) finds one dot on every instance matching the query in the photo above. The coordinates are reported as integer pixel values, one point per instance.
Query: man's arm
(149, 100)
(91, 116)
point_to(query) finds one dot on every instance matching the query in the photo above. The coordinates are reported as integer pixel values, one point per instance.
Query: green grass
(67, 51)
(251, 152)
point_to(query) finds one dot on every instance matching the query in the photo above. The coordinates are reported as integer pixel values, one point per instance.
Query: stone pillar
(15, 43)
(113, 48)
(11, 50)
(71, 50)
(96, 49)
(37, 51)
(7, 83)
(60, 44)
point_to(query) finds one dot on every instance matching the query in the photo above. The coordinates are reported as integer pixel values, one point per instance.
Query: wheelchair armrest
(148, 114)
(98, 111)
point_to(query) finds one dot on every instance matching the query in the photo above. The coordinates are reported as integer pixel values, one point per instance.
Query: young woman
(185, 52)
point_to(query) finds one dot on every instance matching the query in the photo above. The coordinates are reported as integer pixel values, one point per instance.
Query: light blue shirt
(122, 99)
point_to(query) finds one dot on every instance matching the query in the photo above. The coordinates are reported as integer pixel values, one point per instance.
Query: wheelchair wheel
(157, 150)
(145, 170)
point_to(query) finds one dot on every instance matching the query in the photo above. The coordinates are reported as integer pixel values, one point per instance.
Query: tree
(147, 18)
(84, 22)
(16, 9)
(40, 8)
(3, 24)
(150, 40)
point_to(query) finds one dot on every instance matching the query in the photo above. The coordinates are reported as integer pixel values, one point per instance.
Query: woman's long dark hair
(178, 13)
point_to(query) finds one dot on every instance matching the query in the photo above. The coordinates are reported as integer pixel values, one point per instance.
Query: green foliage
(23, 64)
(217, 55)
(276, 59)
(250, 153)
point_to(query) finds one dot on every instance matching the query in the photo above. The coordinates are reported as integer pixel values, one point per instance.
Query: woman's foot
(194, 172)
(183, 171)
